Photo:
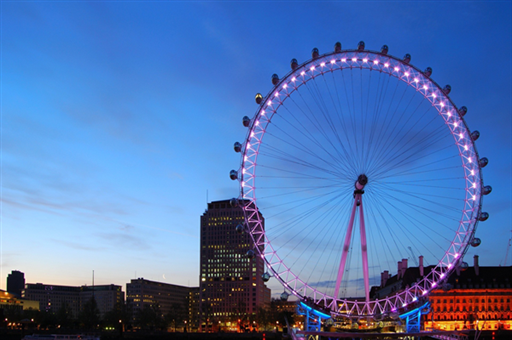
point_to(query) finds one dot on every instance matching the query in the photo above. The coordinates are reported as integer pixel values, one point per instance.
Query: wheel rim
(255, 169)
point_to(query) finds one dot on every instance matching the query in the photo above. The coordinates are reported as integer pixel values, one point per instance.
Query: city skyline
(119, 118)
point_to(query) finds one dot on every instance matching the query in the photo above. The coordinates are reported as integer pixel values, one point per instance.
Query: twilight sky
(118, 118)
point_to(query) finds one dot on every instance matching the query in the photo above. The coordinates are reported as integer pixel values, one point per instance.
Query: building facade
(10, 301)
(476, 297)
(472, 298)
(106, 296)
(231, 284)
(167, 297)
(53, 297)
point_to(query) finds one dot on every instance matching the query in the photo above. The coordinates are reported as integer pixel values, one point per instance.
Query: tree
(47, 320)
(90, 314)
(264, 318)
(64, 316)
(150, 318)
(176, 315)
(117, 317)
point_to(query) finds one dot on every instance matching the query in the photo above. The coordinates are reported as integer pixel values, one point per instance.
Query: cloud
(124, 241)
(175, 175)
(131, 227)
(76, 245)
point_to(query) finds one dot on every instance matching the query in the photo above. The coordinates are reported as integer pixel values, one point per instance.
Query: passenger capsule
(337, 47)
(486, 190)
(407, 58)
(237, 146)
(275, 79)
(464, 266)
(294, 64)
(240, 229)
(233, 202)
(265, 277)
(246, 121)
(250, 254)
(462, 111)
(315, 53)
(483, 216)
(258, 98)
(447, 89)
(384, 49)
(483, 162)
(475, 242)
(233, 174)
(428, 72)
(284, 296)
(475, 135)
(360, 46)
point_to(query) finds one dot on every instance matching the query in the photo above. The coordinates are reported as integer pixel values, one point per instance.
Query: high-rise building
(141, 293)
(15, 283)
(231, 284)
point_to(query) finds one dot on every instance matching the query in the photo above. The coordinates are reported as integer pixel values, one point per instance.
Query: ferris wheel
(353, 161)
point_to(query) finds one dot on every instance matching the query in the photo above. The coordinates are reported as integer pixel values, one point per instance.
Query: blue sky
(119, 117)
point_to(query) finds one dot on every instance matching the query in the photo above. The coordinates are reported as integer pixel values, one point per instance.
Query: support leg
(364, 250)
(346, 246)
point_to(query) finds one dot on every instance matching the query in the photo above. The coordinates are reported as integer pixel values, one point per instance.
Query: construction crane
(413, 256)
(508, 249)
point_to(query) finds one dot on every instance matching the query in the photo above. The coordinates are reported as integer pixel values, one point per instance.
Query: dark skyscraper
(231, 284)
(16, 282)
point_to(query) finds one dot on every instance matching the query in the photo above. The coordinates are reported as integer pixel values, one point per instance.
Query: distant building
(106, 296)
(9, 301)
(141, 293)
(15, 283)
(475, 297)
(482, 294)
(53, 297)
(284, 306)
(231, 284)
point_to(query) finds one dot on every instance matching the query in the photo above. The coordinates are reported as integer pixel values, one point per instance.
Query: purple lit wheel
(331, 120)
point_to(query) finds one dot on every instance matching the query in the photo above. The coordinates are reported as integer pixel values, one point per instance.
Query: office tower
(231, 284)
(15, 283)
